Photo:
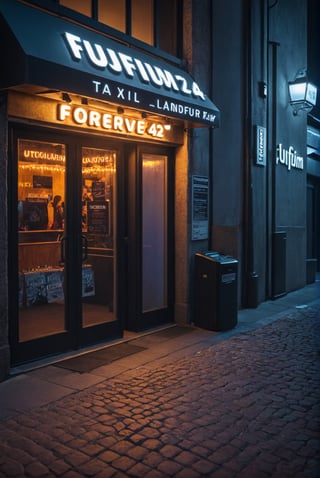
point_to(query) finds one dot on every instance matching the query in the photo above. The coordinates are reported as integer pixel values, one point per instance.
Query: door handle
(84, 248)
(63, 249)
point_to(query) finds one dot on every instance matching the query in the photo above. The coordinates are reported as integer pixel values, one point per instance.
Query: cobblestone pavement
(245, 407)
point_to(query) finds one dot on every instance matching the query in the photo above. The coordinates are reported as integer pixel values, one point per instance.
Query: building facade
(134, 135)
(262, 146)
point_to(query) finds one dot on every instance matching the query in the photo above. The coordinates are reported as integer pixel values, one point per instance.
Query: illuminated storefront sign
(95, 119)
(115, 62)
(62, 56)
(289, 158)
(35, 155)
(90, 118)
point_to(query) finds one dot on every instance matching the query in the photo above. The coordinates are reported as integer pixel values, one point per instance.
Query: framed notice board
(99, 217)
(200, 207)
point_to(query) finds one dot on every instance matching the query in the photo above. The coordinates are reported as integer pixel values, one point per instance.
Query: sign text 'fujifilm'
(141, 75)
(289, 157)
(116, 62)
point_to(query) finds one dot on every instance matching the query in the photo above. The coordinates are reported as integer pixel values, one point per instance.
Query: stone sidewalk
(247, 406)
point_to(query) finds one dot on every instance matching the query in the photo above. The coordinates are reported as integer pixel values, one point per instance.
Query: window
(168, 27)
(155, 22)
(113, 13)
(142, 20)
(83, 6)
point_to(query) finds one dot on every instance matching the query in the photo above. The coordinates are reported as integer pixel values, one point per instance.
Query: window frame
(53, 6)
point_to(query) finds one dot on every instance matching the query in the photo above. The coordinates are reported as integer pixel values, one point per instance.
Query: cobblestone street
(244, 407)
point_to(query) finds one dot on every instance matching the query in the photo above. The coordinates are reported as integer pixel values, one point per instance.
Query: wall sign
(78, 115)
(289, 158)
(261, 147)
(97, 119)
(200, 207)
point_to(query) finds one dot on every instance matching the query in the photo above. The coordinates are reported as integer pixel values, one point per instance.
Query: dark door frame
(136, 320)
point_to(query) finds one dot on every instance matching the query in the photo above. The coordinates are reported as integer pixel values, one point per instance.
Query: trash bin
(215, 287)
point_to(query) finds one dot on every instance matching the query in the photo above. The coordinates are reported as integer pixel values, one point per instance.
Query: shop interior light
(167, 125)
(302, 93)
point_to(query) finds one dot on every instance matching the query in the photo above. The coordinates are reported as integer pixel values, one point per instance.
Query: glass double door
(66, 244)
(93, 249)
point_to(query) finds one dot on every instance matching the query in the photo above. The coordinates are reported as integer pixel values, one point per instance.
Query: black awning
(46, 51)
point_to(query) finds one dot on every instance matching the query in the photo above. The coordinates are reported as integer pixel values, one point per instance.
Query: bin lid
(217, 257)
(212, 255)
(227, 260)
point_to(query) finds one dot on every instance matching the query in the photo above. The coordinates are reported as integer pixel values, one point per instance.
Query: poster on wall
(200, 207)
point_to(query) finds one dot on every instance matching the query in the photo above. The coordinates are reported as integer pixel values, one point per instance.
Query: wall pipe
(250, 290)
(211, 130)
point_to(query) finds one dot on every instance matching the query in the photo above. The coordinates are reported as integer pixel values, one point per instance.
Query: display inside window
(33, 214)
(41, 187)
(48, 209)
(98, 167)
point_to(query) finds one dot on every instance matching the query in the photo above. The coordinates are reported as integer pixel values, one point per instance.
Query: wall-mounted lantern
(302, 93)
